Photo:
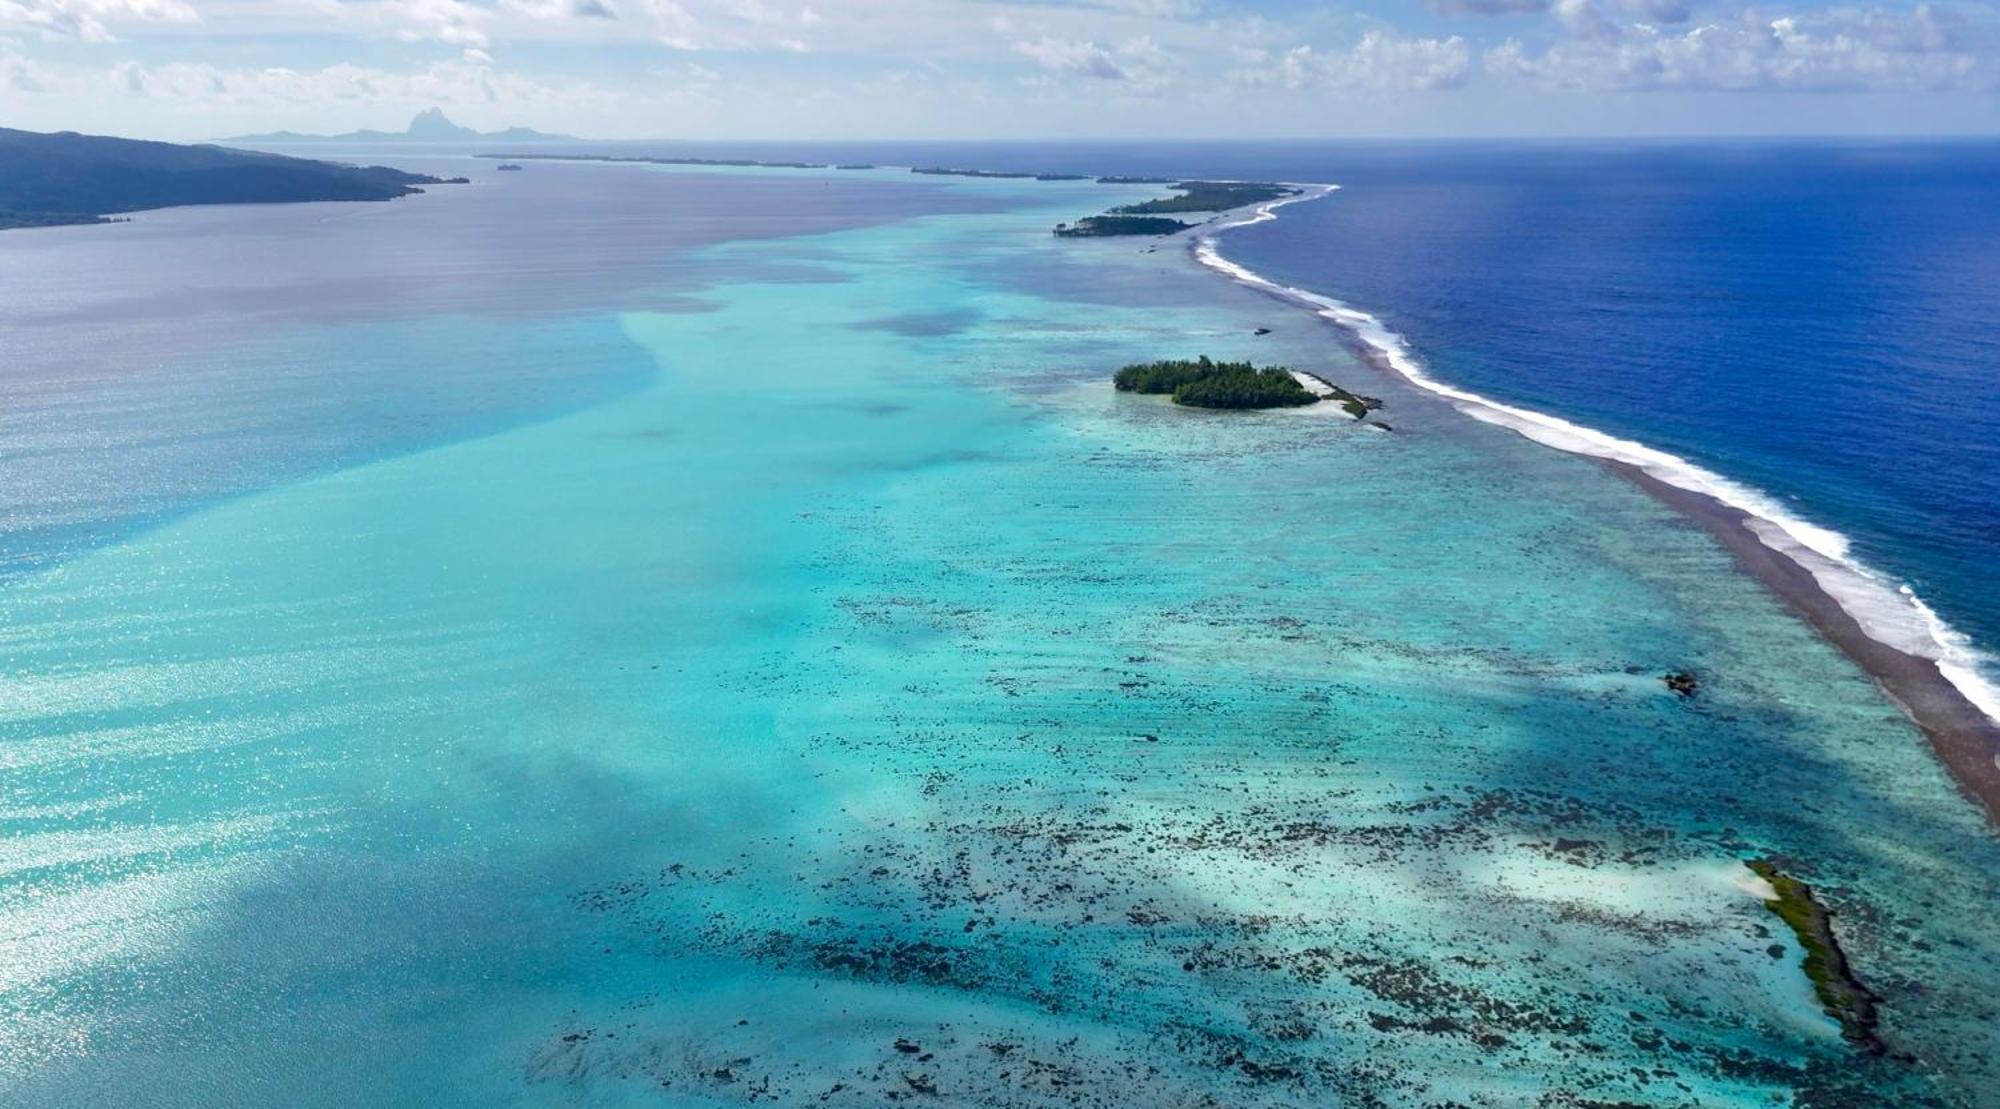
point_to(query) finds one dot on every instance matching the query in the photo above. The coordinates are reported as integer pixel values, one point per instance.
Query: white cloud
(733, 25)
(1080, 59)
(19, 75)
(1379, 62)
(1655, 11)
(1840, 49)
(1488, 7)
(1139, 61)
(453, 22)
(199, 85)
(90, 20)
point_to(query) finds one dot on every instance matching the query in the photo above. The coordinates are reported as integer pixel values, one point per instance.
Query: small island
(1151, 217)
(1095, 227)
(1206, 383)
(950, 171)
(1209, 196)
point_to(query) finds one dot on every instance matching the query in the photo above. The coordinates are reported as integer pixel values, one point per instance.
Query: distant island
(734, 163)
(940, 171)
(1150, 217)
(1209, 196)
(430, 125)
(67, 178)
(1091, 227)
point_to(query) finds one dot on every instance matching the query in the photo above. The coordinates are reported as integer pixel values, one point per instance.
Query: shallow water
(867, 702)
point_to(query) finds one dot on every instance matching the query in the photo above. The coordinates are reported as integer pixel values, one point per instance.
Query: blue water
(1821, 321)
(628, 637)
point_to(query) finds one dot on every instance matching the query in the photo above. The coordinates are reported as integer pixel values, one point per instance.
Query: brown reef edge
(1964, 739)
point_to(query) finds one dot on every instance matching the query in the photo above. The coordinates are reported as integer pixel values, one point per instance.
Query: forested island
(1090, 227)
(1151, 217)
(67, 178)
(943, 171)
(1206, 383)
(1209, 196)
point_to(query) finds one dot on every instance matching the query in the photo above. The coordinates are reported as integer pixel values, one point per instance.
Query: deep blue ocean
(1820, 321)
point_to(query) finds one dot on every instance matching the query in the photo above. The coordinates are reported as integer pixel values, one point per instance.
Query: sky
(1004, 69)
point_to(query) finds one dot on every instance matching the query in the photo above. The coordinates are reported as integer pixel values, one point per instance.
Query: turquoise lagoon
(864, 704)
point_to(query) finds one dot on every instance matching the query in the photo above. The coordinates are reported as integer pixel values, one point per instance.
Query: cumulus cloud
(1655, 11)
(1488, 7)
(19, 75)
(1379, 62)
(449, 83)
(740, 25)
(555, 10)
(90, 20)
(454, 22)
(1082, 59)
(1839, 49)
(1139, 61)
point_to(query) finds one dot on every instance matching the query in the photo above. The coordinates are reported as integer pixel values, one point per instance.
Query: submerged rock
(1683, 683)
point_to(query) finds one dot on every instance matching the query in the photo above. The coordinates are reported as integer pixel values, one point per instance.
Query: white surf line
(1889, 612)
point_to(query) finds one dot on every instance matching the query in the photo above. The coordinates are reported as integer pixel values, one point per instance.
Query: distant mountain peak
(431, 123)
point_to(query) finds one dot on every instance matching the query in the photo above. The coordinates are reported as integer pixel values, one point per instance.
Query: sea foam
(1889, 612)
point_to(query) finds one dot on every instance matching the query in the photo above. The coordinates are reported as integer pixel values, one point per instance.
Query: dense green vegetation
(1266, 388)
(1205, 383)
(1091, 227)
(1842, 995)
(63, 178)
(1208, 196)
(1149, 218)
(47, 219)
